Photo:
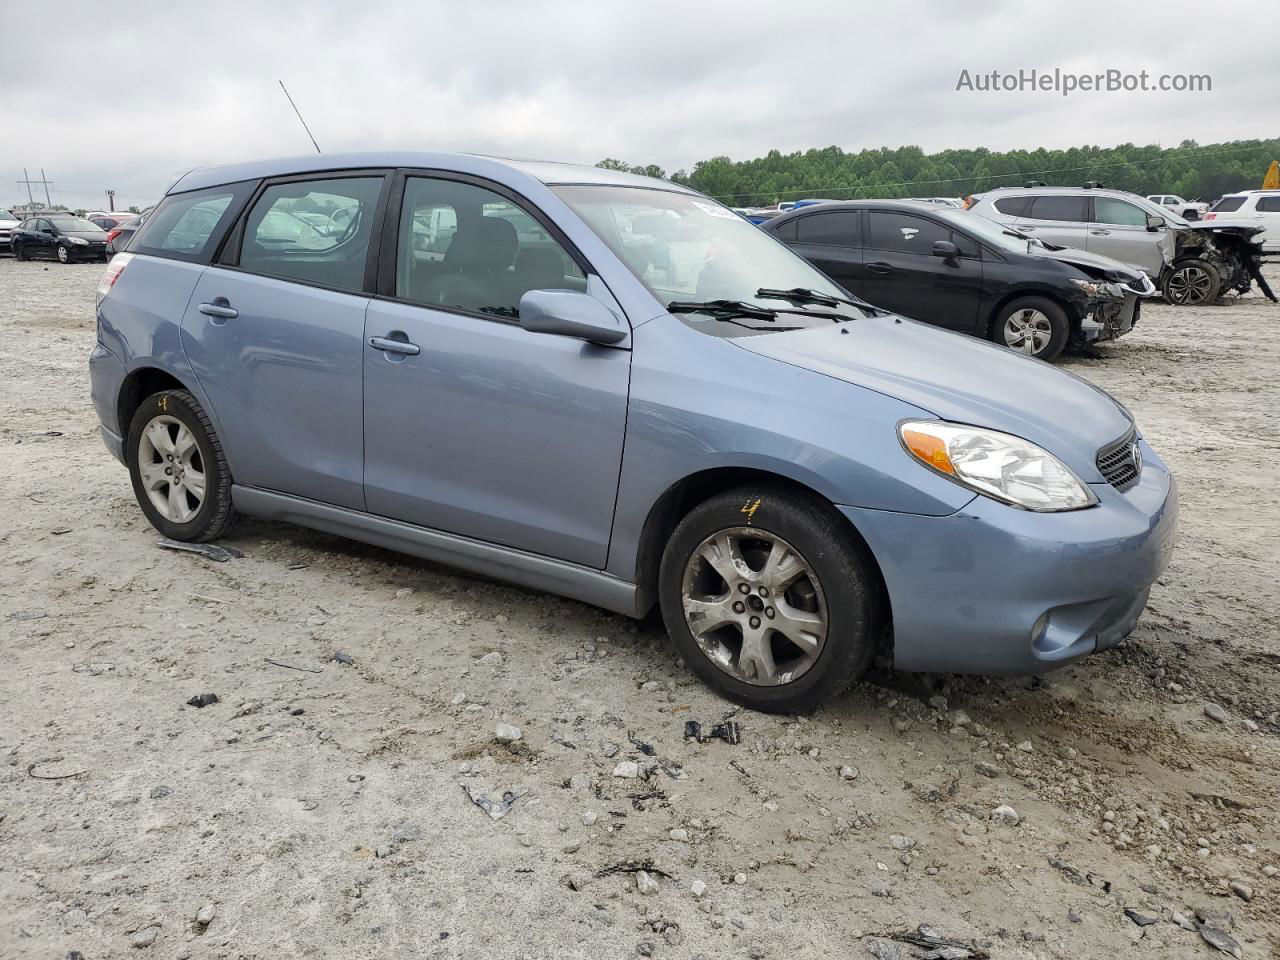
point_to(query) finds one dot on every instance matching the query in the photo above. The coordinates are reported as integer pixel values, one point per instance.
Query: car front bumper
(996, 590)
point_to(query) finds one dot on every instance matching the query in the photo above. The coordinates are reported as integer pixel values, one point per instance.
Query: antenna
(299, 113)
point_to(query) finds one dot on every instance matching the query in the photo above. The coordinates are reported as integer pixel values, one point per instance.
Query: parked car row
(616, 389)
(959, 270)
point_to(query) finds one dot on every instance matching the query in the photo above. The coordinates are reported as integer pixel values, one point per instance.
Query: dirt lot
(322, 811)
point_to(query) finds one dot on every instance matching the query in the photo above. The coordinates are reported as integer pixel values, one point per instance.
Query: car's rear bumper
(997, 590)
(106, 377)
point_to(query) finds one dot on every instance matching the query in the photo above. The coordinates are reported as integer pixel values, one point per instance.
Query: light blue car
(615, 389)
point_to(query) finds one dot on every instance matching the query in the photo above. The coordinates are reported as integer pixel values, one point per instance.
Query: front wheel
(180, 475)
(64, 254)
(1192, 283)
(768, 599)
(1034, 326)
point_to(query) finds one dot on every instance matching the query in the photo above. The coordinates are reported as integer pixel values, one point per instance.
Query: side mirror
(570, 314)
(945, 248)
(1154, 222)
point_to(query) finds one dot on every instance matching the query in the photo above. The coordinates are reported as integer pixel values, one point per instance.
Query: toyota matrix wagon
(615, 389)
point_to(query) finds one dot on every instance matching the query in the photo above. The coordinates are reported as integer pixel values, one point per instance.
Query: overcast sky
(127, 94)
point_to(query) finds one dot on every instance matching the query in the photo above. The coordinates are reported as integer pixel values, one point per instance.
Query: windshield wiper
(723, 308)
(800, 295)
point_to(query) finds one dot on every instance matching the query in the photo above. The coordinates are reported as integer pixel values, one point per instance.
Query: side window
(1111, 210)
(316, 231)
(466, 247)
(838, 229)
(1064, 208)
(904, 233)
(187, 226)
(788, 232)
(1013, 206)
(1268, 205)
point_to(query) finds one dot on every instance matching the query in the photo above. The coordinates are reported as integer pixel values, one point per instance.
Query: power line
(1203, 151)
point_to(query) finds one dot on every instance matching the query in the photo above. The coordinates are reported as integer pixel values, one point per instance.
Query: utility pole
(111, 200)
(26, 179)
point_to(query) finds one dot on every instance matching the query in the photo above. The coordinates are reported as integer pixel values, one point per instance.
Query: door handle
(394, 346)
(218, 309)
(880, 268)
(1101, 233)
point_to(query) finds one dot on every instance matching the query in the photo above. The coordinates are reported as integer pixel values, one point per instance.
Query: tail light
(1211, 216)
(114, 269)
(115, 232)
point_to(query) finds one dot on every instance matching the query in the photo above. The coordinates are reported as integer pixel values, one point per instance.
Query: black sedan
(60, 237)
(962, 271)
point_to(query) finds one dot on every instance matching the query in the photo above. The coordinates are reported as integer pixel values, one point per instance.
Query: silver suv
(1192, 263)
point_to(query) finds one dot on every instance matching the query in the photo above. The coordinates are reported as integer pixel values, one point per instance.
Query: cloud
(132, 93)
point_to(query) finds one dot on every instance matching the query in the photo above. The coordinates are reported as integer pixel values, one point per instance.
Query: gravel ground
(324, 811)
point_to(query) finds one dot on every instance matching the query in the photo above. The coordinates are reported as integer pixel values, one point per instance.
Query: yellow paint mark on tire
(750, 508)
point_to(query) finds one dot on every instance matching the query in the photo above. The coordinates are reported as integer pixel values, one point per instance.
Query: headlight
(79, 241)
(996, 465)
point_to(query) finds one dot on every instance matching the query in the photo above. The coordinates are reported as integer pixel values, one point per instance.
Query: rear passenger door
(275, 334)
(1058, 218)
(474, 425)
(832, 242)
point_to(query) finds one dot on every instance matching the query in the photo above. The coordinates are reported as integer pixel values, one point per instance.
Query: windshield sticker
(712, 210)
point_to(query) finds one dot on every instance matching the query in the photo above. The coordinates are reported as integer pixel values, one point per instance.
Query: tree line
(1191, 170)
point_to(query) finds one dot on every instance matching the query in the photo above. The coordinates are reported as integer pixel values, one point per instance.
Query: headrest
(487, 244)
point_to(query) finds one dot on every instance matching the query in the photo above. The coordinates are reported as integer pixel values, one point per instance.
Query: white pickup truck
(1187, 209)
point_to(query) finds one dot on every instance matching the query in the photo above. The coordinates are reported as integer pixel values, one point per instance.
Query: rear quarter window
(1228, 204)
(1012, 206)
(1268, 205)
(189, 226)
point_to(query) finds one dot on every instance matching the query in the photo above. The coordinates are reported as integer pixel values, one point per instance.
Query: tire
(192, 450)
(64, 253)
(837, 591)
(1192, 283)
(20, 252)
(1035, 326)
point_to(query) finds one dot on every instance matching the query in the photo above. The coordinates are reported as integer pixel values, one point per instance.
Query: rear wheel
(1192, 283)
(768, 599)
(179, 473)
(20, 252)
(1034, 326)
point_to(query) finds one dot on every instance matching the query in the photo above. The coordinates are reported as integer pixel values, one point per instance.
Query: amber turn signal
(929, 450)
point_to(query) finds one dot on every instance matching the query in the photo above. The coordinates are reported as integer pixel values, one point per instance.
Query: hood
(1238, 226)
(960, 378)
(1090, 261)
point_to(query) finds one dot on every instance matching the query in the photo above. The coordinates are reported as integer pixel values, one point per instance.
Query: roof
(544, 171)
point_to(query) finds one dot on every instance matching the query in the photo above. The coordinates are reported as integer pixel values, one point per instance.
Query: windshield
(7, 215)
(685, 247)
(73, 224)
(998, 235)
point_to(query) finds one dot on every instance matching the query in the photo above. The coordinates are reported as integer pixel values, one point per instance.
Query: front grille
(1120, 463)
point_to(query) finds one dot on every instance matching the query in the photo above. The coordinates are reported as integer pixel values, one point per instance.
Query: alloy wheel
(1190, 285)
(754, 606)
(1028, 330)
(171, 468)
(64, 255)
